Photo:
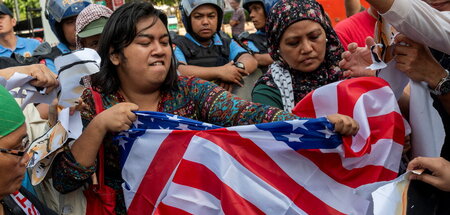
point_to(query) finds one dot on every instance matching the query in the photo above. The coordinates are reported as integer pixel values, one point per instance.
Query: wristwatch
(443, 87)
(239, 65)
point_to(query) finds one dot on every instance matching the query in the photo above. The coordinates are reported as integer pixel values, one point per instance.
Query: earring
(326, 40)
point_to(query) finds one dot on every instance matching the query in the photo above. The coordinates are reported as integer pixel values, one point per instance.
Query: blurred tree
(23, 4)
(167, 2)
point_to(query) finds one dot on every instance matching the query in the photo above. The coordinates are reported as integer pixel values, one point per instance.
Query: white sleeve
(421, 23)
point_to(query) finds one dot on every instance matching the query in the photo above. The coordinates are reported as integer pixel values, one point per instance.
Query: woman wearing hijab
(138, 72)
(306, 53)
(14, 199)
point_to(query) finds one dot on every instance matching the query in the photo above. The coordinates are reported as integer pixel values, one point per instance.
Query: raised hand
(355, 61)
(417, 62)
(440, 171)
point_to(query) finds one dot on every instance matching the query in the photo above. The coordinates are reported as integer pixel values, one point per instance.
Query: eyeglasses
(18, 152)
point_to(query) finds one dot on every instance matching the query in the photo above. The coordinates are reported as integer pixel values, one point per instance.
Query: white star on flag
(122, 142)
(293, 137)
(299, 123)
(137, 123)
(327, 132)
(174, 117)
(162, 128)
(207, 124)
(183, 127)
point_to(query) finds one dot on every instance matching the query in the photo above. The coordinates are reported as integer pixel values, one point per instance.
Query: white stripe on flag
(325, 100)
(251, 187)
(136, 166)
(373, 103)
(377, 156)
(192, 200)
(318, 183)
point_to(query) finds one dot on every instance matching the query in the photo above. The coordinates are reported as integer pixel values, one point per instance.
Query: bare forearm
(263, 59)
(381, 5)
(7, 73)
(249, 61)
(86, 147)
(207, 73)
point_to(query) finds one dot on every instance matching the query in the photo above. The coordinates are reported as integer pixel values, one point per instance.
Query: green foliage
(166, 2)
(23, 4)
(227, 17)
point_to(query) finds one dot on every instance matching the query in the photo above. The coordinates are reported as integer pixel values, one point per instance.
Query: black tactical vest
(260, 42)
(204, 56)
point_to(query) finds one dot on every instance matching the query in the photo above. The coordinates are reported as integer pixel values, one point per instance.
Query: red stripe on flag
(331, 164)
(368, 174)
(305, 107)
(159, 171)
(351, 90)
(164, 209)
(388, 126)
(260, 164)
(198, 176)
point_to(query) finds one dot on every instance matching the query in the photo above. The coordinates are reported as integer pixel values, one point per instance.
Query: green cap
(11, 116)
(94, 28)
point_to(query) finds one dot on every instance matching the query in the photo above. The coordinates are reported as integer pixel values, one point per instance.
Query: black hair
(237, 1)
(118, 33)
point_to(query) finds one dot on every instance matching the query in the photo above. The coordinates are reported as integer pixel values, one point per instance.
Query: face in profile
(68, 27)
(146, 60)
(204, 20)
(303, 45)
(7, 23)
(12, 166)
(257, 15)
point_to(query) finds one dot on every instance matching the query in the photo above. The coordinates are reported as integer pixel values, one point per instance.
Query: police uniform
(220, 52)
(257, 42)
(25, 47)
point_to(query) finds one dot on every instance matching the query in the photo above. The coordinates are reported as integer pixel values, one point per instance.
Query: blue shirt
(64, 49)
(235, 48)
(251, 45)
(25, 47)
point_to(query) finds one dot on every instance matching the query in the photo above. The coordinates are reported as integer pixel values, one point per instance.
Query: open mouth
(157, 63)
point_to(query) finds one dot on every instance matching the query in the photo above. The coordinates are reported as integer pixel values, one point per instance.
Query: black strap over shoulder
(43, 51)
(260, 42)
(204, 56)
(12, 207)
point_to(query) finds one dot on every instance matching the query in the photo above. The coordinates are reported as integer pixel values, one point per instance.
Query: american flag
(174, 165)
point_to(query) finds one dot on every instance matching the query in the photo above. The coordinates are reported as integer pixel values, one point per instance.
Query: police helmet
(247, 3)
(187, 6)
(268, 4)
(57, 10)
